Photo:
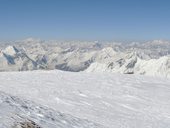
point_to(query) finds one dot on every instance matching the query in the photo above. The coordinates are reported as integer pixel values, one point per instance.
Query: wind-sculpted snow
(111, 100)
(150, 58)
(15, 111)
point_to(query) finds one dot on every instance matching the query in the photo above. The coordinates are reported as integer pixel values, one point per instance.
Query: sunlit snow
(103, 99)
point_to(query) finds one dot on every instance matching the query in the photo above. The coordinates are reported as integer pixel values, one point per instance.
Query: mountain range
(148, 58)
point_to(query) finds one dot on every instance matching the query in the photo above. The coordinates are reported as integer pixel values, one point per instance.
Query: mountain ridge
(132, 58)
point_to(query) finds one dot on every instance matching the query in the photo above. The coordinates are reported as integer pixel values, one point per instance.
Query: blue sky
(122, 20)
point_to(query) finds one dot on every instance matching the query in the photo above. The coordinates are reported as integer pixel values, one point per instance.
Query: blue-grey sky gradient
(85, 19)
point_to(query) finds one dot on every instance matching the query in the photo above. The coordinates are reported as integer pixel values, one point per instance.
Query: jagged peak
(109, 50)
(131, 54)
(11, 50)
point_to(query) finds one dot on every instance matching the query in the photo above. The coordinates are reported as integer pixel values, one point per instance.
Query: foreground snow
(111, 100)
(15, 111)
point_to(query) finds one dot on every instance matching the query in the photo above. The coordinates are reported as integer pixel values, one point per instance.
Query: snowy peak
(109, 51)
(11, 50)
(105, 54)
(154, 67)
(11, 59)
(132, 64)
(122, 64)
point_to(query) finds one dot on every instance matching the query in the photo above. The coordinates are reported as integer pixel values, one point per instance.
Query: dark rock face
(27, 124)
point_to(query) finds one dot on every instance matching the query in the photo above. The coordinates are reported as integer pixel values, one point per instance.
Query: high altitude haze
(124, 20)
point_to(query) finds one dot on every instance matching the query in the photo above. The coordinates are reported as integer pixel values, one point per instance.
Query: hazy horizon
(82, 40)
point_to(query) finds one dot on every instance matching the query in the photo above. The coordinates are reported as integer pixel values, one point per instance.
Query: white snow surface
(14, 111)
(102, 99)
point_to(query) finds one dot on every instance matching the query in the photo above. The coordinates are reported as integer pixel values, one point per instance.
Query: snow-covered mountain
(150, 58)
(132, 64)
(11, 59)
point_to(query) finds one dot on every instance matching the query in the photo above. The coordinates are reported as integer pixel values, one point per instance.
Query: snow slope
(111, 100)
(14, 111)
